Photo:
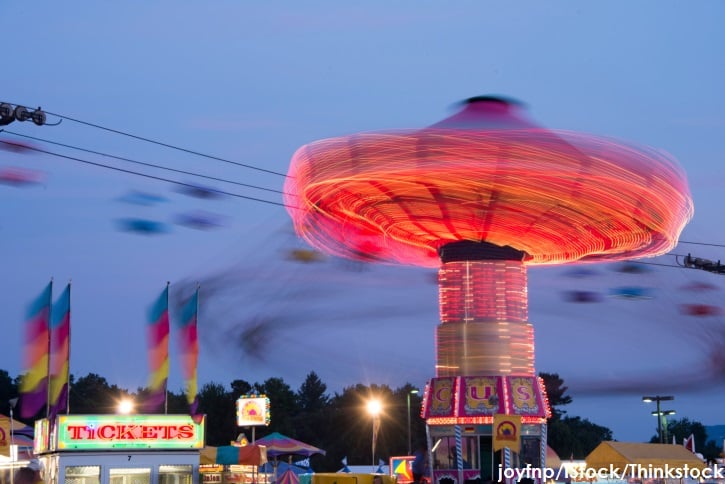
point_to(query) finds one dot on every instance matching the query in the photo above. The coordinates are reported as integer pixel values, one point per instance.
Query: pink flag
(34, 383)
(158, 350)
(189, 343)
(59, 355)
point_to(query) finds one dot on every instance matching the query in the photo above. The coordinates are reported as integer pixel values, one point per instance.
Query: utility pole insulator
(38, 117)
(22, 113)
(7, 114)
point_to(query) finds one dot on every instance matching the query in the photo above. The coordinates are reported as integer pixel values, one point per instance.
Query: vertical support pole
(659, 422)
(459, 453)
(543, 445)
(430, 446)
(506, 464)
(410, 443)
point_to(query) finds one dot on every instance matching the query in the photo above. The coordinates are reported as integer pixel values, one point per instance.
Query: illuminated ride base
(484, 366)
(119, 449)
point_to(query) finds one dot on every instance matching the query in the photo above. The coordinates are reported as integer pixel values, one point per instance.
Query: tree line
(338, 423)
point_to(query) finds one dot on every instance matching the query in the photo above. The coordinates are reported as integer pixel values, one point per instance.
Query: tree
(569, 436)
(312, 396)
(575, 437)
(312, 402)
(683, 428)
(312, 414)
(92, 394)
(555, 391)
(240, 387)
(218, 405)
(352, 426)
(282, 401)
(711, 451)
(397, 420)
(8, 390)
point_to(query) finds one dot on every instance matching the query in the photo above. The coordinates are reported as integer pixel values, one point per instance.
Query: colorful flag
(303, 463)
(506, 432)
(689, 443)
(34, 384)
(189, 343)
(158, 352)
(59, 355)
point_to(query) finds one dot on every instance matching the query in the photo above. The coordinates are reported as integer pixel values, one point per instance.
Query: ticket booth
(120, 449)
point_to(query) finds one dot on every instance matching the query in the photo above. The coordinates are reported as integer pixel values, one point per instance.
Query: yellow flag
(506, 432)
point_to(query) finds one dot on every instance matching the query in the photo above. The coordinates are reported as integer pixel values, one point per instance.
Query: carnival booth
(16, 447)
(120, 449)
(479, 425)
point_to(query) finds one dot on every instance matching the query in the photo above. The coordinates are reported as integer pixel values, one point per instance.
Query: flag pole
(50, 355)
(166, 381)
(196, 363)
(195, 371)
(67, 375)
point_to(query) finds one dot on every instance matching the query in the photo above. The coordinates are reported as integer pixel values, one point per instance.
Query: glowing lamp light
(125, 406)
(374, 407)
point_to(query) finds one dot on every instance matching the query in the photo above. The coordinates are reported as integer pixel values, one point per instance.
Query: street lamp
(662, 417)
(374, 409)
(13, 452)
(414, 391)
(658, 399)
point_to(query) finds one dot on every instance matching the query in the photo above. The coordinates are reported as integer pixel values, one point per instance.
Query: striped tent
(232, 455)
(288, 477)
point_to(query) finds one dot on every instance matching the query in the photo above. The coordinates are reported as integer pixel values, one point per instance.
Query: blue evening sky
(250, 82)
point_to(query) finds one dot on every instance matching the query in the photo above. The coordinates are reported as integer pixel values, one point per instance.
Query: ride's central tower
(483, 302)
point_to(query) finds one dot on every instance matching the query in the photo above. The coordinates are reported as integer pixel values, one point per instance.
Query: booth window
(530, 451)
(130, 475)
(175, 474)
(83, 475)
(445, 456)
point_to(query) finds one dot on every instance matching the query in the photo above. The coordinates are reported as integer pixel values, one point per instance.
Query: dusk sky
(238, 86)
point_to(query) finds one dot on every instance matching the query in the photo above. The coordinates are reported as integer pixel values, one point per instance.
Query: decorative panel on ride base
(476, 399)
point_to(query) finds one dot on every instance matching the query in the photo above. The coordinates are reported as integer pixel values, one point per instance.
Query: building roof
(620, 454)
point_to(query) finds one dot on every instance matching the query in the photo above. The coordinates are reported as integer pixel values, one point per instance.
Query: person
(27, 475)
(420, 463)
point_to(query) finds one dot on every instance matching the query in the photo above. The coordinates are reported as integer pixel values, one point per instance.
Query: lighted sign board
(123, 432)
(252, 410)
(401, 468)
(41, 438)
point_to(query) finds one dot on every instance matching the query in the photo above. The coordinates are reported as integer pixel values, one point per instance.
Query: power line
(659, 264)
(166, 145)
(153, 177)
(185, 150)
(101, 165)
(152, 165)
(701, 243)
